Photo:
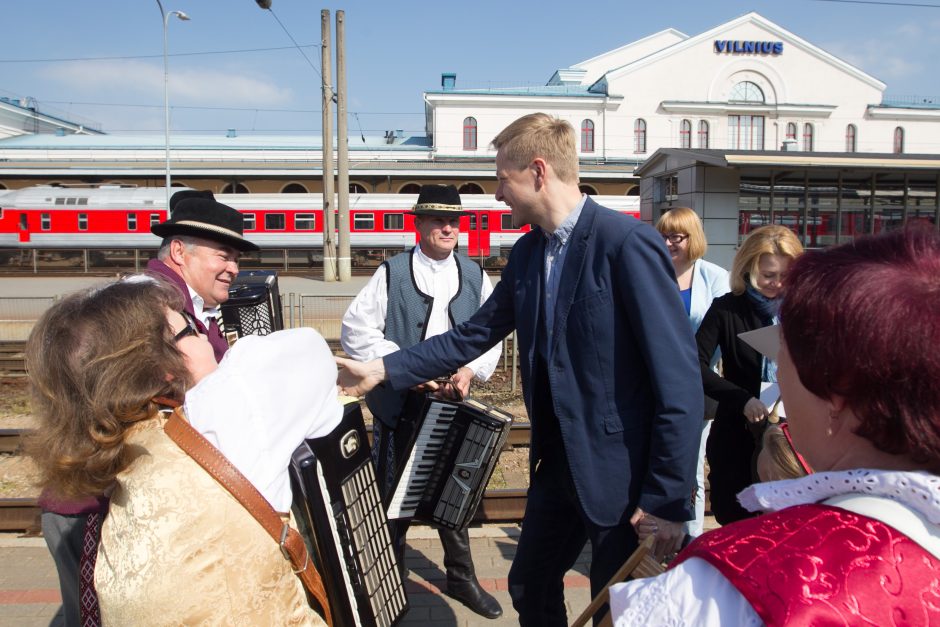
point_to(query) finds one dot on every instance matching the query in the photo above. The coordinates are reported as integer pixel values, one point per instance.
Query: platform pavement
(29, 587)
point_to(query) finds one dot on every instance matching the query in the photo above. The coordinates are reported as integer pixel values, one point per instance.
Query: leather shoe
(476, 598)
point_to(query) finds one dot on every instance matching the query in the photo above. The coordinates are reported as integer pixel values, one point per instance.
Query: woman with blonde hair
(700, 282)
(176, 546)
(757, 277)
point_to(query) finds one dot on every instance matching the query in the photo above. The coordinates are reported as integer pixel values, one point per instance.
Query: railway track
(12, 359)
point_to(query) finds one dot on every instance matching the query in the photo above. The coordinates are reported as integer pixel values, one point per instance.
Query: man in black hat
(202, 242)
(414, 295)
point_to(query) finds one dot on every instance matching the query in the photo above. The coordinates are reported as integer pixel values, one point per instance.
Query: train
(48, 225)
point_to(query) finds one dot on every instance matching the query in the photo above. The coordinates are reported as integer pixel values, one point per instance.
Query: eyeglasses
(190, 329)
(799, 458)
(675, 238)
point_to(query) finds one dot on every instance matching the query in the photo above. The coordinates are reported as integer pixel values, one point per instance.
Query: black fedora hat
(438, 200)
(199, 214)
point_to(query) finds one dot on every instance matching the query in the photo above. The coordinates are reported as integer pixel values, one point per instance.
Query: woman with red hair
(858, 542)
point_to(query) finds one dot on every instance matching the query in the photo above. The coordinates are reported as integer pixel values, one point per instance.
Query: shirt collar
(200, 310)
(434, 264)
(563, 232)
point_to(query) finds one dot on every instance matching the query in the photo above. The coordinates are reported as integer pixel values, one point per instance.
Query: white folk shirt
(696, 593)
(363, 334)
(267, 395)
(203, 314)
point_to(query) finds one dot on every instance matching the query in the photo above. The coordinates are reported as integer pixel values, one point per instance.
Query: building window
(669, 186)
(410, 188)
(639, 136)
(505, 222)
(83, 222)
(746, 91)
(45, 221)
(274, 222)
(850, 139)
(294, 188)
(791, 130)
(305, 222)
(898, 140)
(685, 134)
(248, 221)
(132, 222)
(470, 188)
(807, 137)
(154, 218)
(702, 134)
(357, 188)
(363, 221)
(234, 188)
(746, 132)
(469, 133)
(587, 189)
(587, 136)
(394, 221)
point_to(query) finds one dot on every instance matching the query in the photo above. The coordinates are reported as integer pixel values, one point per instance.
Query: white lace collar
(918, 490)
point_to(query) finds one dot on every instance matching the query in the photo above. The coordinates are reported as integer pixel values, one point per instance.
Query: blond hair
(772, 239)
(541, 135)
(685, 221)
(780, 460)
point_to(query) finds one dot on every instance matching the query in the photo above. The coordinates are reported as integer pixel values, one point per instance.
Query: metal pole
(166, 94)
(342, 150)
(329, 229)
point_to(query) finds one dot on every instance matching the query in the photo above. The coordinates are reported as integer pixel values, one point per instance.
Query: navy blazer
(623, 372)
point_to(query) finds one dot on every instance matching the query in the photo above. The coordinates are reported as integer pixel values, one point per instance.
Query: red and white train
(112, 217)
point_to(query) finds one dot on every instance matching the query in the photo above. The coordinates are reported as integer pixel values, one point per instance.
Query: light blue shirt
(556, 249)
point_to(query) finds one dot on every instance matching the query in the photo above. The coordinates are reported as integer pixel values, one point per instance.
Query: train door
(478, 235)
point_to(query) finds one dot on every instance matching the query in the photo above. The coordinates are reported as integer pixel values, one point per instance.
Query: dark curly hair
(96, 359)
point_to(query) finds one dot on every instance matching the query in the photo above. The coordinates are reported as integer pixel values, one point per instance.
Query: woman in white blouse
(700, 282)
(858, 542)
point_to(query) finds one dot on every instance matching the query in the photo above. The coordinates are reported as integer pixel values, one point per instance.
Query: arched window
(791, 130)
(685, 134)
(898, 140)
(639, 136)
(294, 188)
(469, 133)
(634, 191)
(587, 136)
(2, 186)
(470, 188)
(746, 91)
(850, 140)
(357, 188)
(587, 189)
(702, 134)
(807, 137)
(410, 188)
(234, 188)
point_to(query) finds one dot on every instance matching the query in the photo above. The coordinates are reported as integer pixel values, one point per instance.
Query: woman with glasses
(700, 282)
(858, 541)
(757, 276)
(176, 547)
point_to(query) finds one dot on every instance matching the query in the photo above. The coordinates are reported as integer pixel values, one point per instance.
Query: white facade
(674, 83)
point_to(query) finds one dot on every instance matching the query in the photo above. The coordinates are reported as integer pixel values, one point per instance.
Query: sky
(233, 65)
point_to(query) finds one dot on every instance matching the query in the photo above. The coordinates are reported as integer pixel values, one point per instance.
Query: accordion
(453, 454)
(253, 306)
(340, 514)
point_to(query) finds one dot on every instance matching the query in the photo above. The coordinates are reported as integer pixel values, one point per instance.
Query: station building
(747, 122)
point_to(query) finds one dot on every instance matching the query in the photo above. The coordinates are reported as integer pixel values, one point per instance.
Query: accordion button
(420, 325)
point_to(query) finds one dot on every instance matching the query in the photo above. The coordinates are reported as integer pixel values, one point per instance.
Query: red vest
(821, 565)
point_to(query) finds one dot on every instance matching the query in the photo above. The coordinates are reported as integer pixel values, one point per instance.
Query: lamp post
(166, 94)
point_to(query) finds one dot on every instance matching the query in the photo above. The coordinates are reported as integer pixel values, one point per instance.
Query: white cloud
(205, 86)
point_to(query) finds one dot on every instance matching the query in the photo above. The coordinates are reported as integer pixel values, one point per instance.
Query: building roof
(566, 91)
(207, 142)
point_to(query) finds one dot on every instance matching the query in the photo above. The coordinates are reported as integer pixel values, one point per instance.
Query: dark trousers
(64, 536)
(729, 450)
(554, 532)
(389, 448)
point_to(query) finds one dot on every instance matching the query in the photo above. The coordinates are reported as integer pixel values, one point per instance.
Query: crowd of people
(634, 372)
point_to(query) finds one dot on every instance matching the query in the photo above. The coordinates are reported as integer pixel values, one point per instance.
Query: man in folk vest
(202, 242)
(413, 296)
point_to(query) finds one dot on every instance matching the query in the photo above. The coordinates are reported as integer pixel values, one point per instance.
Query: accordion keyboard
(420, 465)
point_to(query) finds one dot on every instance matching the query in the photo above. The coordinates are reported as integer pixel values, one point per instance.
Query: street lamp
(166, 94)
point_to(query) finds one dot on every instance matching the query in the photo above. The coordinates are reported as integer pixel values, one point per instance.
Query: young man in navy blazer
(609, 371)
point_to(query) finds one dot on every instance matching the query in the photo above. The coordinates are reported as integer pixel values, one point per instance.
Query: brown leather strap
(212, 461)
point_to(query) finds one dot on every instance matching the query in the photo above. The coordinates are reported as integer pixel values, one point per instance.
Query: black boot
(462, 581)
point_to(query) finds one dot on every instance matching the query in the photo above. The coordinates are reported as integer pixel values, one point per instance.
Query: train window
(60, 201)
(82, 221)
(304, 222)
(249, 219)
(45, 221)
(364, 221)
(71, 201)
(484, 222)
(154, 218)
(394, 221)
(473, 221)
(505, 222)
(274, 222)
(82, 201)
(132, 222)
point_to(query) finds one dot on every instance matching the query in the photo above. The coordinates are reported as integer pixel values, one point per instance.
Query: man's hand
(355, 378)
(755, 410)
(459, 386)
(668, 535)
